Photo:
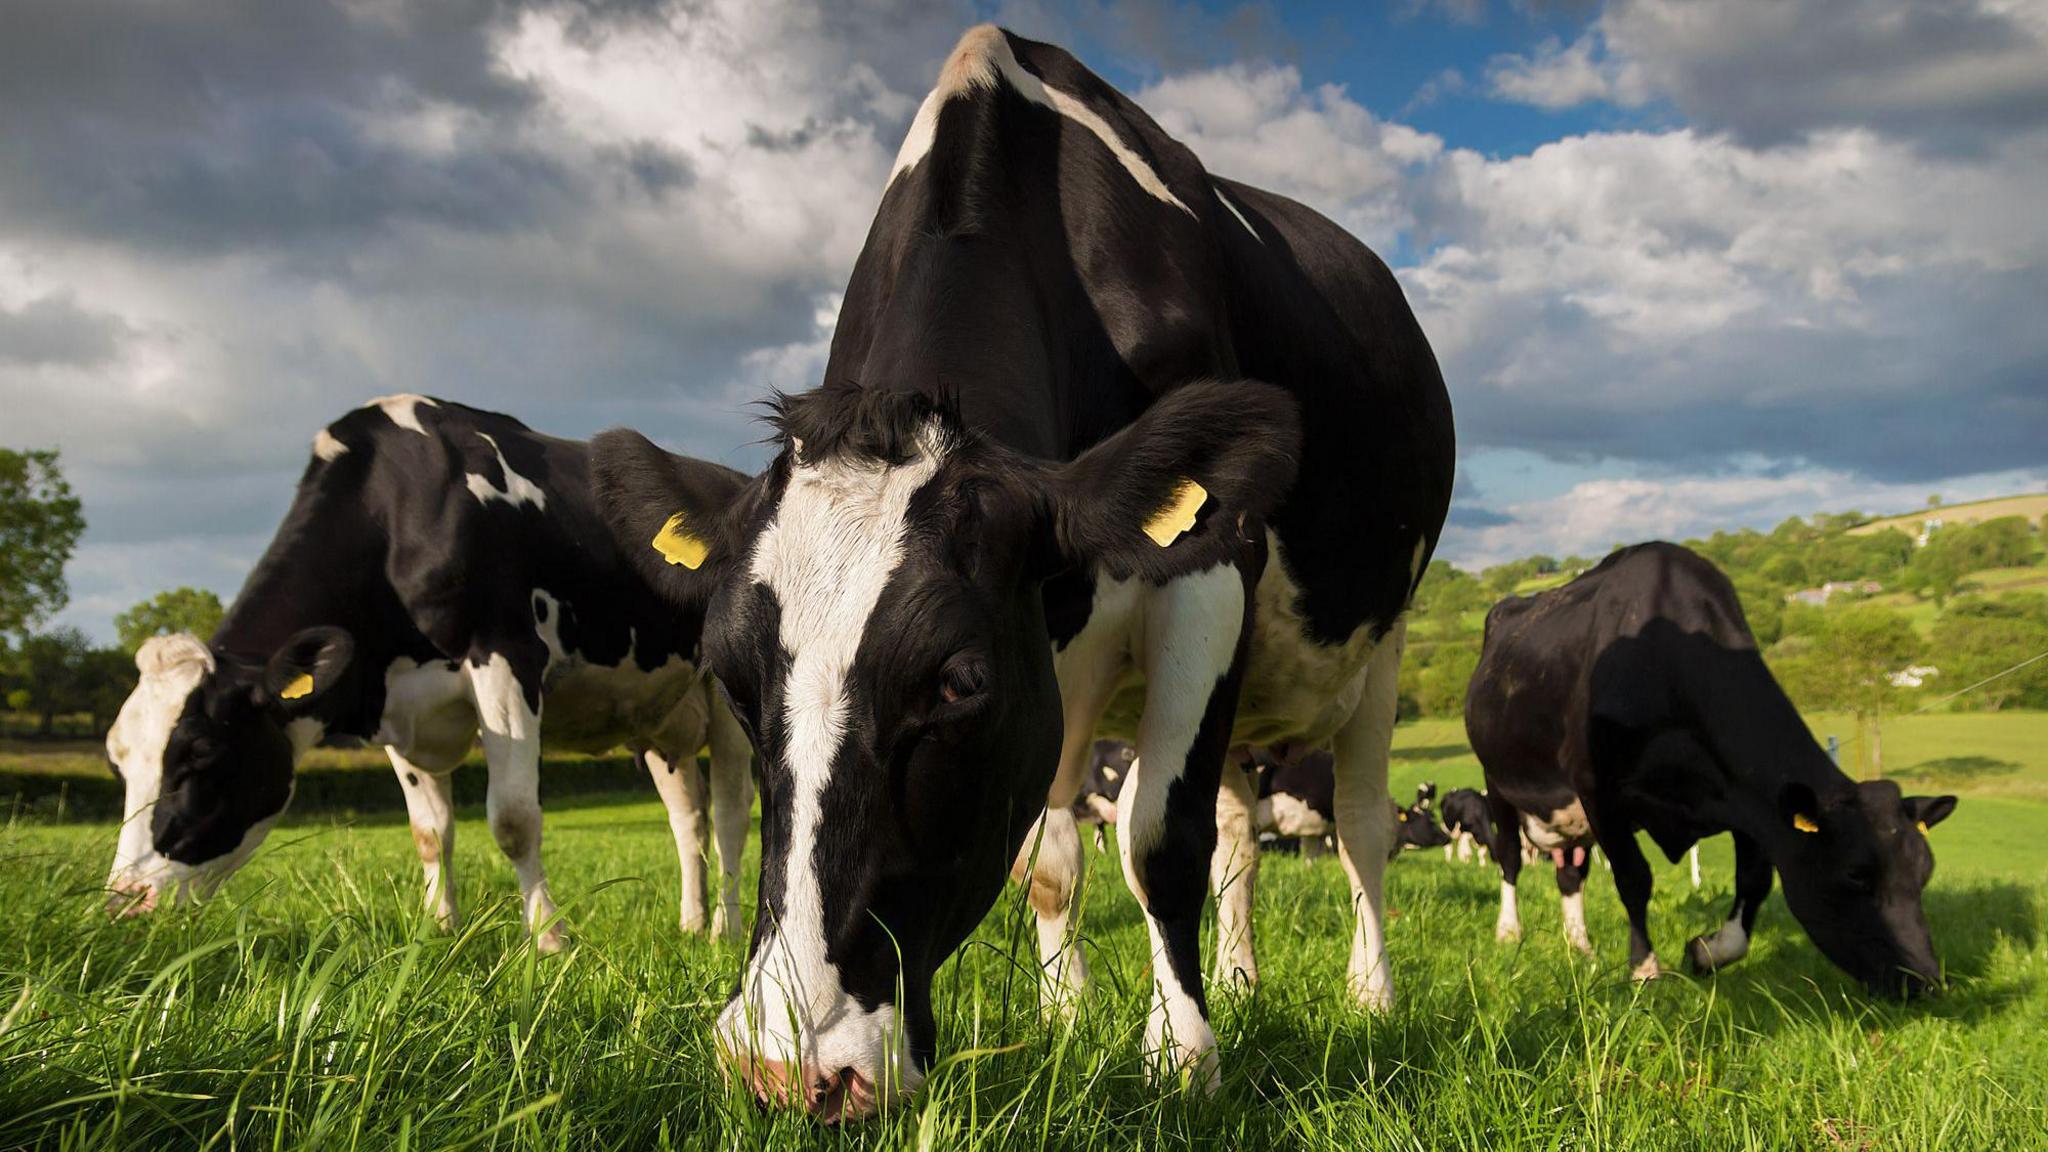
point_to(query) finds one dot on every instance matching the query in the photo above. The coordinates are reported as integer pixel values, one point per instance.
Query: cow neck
(1753, 728)
(324, 568)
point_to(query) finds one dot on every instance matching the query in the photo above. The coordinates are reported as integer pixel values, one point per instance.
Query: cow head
(205, 748)
(873, 611)
(1853, 868)
(1416, 827)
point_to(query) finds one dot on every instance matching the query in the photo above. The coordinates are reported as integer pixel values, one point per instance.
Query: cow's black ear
(1927, 811)
(1799, 808)
(1172, 493)
(668, 514)
(309, 665)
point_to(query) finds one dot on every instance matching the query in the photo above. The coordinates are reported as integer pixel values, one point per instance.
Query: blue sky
(1685, 266)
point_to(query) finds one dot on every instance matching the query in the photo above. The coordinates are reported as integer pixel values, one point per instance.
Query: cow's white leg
(1087, 670)
(1507, 927)
(510, 728)
(1695, 854)
(732, 804)
(430, 807)
(1365, 823)
(1234, 874)
(681, 784)
(1166, 813)
(1049, 863)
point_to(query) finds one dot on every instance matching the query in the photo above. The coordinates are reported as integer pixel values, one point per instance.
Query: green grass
(307, 1007)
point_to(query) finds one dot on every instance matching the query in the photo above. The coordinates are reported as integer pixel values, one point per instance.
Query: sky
(1685, 266)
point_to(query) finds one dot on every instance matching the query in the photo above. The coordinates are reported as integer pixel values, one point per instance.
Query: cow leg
(1234, 874)
(1571, 886)
(510, 723)
(1632, 883)
(1752, 884)
(732, 810)
(430, 807)
(681, 784)
(1694, 854)
(1507, 852)
(1365, 821)
(1049, 862)
(1193, 653)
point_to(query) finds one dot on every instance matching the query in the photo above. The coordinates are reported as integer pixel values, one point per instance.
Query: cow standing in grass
(1095, 425)
(441, 576)
(1634, 697)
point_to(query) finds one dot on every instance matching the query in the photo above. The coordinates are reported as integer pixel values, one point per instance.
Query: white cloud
(1564, 76)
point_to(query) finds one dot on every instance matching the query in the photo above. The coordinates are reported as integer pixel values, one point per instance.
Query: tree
(193, 610)
(1844, 659)
(40, 523)
(51, 669)
(1976, 639)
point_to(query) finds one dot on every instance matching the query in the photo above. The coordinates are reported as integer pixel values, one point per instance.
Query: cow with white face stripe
(1103, 439)
(440, 574)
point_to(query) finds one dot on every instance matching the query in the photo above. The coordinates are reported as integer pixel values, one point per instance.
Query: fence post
(1835, 751)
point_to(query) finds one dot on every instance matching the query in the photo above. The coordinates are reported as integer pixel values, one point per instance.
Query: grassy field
(307, 1006)
(2032, 506)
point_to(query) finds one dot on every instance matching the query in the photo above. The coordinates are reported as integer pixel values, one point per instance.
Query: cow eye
(961, 680)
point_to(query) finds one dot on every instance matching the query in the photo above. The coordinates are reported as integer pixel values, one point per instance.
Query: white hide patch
(404, 409)
(170, 667)
(517, 490)
(1225, 201)
(836, 539)
(982, 56)
(326, 447)
(1728, 944)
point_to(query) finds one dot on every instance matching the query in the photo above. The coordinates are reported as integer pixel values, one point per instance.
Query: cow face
(205, 748)
(873, 611)
(1416, 827)
(1853, 875)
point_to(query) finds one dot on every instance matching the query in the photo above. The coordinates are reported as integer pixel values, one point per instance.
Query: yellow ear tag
(1804, 823)
(1921, 825)
(678, 546)
(301, 687)
(1403, 816)
(1178, 516)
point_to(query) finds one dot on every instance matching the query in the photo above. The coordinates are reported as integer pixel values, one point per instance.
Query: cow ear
(1171, 493)
(1799, 808)
(1927, 811)
(668, 514)
(306, 668)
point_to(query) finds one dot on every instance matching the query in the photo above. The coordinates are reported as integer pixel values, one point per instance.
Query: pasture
(308, 1006)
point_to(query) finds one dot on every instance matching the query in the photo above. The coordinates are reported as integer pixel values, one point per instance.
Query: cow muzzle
(829, 1097)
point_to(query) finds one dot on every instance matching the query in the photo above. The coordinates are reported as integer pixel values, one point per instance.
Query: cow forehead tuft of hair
(844, 419)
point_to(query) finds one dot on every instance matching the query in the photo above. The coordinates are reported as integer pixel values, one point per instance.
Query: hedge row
(344, 791)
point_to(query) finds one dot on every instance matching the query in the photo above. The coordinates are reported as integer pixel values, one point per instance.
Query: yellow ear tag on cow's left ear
(678, 546)
(1403, 816)
(1804, 823)
(1921, 825)
(1178, 516)
(298, 688)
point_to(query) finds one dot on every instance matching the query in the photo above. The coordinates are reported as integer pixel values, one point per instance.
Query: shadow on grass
(1955, 770)
(1433, 752)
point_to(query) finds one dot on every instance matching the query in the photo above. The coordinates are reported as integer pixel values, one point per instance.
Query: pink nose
(830, 1098)
(131, 899)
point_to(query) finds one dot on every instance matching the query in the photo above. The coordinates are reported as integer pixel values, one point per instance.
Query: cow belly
(1295, 688)
(428, 713)
(1565, 826)
(594, 707)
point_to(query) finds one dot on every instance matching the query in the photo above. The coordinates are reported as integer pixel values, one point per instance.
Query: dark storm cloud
(55, 330)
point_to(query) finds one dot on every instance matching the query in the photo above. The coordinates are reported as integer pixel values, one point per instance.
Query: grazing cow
(1467, 822)
(1634, 697)
(1297, 801)
(1059, 451)
(440, 574)
(1109, 765)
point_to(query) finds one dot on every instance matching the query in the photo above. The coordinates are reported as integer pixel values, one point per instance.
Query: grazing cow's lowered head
(874, 612)
(205, 747)
(1853, 865)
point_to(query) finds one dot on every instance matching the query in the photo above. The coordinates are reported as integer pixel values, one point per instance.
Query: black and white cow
(1109, 765)
(1634, 697)
(441, 574)
(1093, 419)
(1467, 822)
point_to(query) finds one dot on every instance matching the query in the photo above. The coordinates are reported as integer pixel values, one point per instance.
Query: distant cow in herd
(441, 576)
(1634, 697)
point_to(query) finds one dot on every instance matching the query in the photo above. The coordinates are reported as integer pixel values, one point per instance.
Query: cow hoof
(1191, 1070)
(1647, 971)
(447, 921)
(551, 942)
(726, 925)
(1582, 946)
(1508, 933)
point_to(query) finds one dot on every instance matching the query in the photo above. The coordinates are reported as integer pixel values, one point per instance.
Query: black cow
(1466, 820)
(1093, 419)
(1634, 697)
(440, 573)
